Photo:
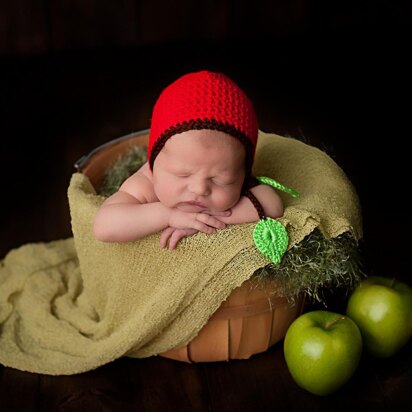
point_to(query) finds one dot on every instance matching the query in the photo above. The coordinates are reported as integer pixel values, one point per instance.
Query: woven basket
(248, 322)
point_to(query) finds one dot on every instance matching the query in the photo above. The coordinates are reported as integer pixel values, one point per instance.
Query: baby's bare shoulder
(140, 185)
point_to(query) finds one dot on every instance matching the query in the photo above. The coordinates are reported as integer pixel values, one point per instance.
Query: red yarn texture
(203, 100)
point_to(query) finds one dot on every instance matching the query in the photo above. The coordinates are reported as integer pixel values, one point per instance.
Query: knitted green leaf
(271, 239)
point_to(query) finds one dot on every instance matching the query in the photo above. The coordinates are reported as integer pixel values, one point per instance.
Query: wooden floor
(343, 99)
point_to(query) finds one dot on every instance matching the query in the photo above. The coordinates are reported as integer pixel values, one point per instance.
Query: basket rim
(85, 159)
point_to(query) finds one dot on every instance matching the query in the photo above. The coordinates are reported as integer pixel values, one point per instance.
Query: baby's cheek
(168, 193)
(227, 199)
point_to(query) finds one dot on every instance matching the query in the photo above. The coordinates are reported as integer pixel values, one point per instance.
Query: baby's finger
(225, 213)
(204, 228)
(210, 221)
(164, 237)
(175, 238)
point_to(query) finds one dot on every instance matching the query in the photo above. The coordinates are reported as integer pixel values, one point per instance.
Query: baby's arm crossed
(242, 212)
(245, 212)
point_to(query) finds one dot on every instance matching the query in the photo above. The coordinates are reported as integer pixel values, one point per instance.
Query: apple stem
(332, 322)
(393, 282)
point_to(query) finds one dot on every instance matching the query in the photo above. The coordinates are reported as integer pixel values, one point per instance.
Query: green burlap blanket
(72, 305)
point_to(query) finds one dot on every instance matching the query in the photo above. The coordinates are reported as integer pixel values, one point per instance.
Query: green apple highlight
(382, 309)
(322, 351)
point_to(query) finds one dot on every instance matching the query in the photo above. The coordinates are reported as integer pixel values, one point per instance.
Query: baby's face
(200, 170)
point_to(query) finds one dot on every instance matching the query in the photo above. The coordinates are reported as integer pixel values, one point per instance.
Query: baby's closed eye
(223, 182)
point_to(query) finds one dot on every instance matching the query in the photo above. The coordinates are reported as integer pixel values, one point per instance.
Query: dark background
(77, 73)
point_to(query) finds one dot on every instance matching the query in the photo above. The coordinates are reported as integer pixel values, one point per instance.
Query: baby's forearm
(245, 212)
(122, 222)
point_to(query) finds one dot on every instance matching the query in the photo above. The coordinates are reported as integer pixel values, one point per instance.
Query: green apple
(382, 309)
(322, 350)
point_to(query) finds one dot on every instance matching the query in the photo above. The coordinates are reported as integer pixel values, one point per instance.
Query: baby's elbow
(101, 230)
(271, 202)
(108, 231)
(274, 210)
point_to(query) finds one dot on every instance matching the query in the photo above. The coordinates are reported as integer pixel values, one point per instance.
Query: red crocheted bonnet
(203, 100)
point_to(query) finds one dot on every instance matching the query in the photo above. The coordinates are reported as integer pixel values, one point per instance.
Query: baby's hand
(173, 236)
(201, 222)
(225, 213)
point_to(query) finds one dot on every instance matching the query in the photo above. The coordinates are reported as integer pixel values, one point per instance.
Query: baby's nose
(199, 187)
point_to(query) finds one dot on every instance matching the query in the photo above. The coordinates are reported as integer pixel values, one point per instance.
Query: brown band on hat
(199, 124)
